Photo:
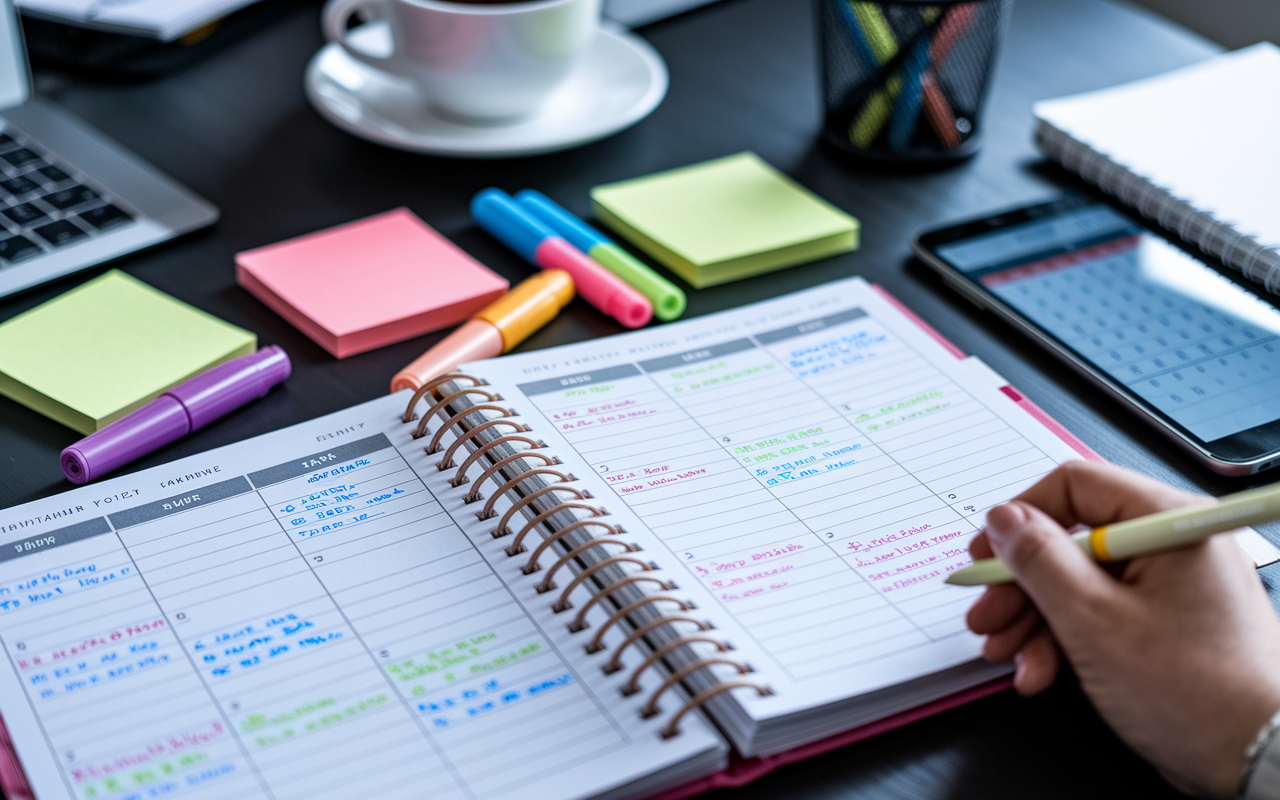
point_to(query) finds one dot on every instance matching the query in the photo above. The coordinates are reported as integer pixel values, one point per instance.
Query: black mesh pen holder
(904, 81)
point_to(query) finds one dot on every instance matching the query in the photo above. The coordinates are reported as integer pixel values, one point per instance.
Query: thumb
(1046, 563)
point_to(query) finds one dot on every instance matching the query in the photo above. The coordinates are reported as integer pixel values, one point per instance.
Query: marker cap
(475, 339)
(219, 391)
(597, 285)
(529, 306)
(129, 438)
(667, 299)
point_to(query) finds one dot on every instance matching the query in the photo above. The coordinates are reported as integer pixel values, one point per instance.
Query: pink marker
(496, 212)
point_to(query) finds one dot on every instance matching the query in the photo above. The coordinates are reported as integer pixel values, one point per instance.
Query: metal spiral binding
(517, 545)
(429, 387)
(434, 445)
(533, 566)
(548, 584)
(447, 461)
(517, 548)
(552, 507)
(421, 430)
(502, 530)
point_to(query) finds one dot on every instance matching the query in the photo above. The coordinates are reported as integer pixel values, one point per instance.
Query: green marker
(668, 301)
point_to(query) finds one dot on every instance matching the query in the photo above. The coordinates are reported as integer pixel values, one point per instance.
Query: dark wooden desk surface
(237, 129)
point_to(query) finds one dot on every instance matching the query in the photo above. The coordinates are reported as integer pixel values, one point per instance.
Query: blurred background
(1233, 23)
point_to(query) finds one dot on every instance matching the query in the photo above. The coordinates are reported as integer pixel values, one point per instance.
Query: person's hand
(1179, 651)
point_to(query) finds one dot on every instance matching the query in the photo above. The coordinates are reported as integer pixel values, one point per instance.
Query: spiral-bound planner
(644, 566)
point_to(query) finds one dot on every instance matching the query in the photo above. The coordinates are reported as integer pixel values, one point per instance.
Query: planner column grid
(417, 719)
(262, 783)
(817, 532)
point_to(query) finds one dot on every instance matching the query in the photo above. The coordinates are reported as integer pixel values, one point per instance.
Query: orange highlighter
(495, 330)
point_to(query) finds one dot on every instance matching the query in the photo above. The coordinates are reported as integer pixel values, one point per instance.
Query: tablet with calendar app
(1170, 334)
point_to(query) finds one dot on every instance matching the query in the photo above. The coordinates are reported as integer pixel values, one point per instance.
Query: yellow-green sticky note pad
(725, 219)
(101, 350)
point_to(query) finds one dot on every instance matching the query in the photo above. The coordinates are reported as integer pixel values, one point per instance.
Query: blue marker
(668, 301)
(507, 221)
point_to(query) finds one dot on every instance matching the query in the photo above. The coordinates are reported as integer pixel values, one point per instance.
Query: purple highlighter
(186, 407)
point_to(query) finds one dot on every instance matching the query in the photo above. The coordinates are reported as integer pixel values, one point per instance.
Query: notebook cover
(369, 283)
(742, 771)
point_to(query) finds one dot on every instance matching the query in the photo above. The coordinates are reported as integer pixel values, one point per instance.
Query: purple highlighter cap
(174, 414)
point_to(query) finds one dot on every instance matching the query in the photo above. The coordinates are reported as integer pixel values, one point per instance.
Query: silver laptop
(71, 198)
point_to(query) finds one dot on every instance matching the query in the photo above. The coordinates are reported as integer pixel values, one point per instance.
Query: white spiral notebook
(1193, 149)
(592, 571)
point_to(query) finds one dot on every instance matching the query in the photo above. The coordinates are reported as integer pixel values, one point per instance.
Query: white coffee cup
(486, 63)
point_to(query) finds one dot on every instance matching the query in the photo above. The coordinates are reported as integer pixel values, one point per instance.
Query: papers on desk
(165, 20)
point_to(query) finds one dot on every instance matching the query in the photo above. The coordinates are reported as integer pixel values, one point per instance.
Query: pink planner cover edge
(742, 771)
(13, 781)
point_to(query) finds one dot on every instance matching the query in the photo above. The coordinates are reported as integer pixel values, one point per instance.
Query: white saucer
(616, 84)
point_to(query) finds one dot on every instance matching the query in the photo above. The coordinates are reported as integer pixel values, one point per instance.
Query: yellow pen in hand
(1166, 530)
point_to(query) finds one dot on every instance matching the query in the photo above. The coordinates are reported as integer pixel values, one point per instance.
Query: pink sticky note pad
(369, 283)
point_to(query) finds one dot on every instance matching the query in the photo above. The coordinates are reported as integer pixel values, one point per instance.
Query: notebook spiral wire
(590, 548)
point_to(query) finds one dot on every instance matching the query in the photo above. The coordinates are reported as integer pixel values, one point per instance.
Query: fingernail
(1003, 521)
(1018, 667)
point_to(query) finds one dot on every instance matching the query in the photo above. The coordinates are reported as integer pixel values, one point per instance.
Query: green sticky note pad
(106, 348)
(724, 219)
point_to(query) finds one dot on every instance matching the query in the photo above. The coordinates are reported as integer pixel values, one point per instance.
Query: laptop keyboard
(44, 206)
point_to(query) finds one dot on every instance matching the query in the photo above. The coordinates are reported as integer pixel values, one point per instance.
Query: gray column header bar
(319, 462)
(45, 541)
(694, 356)
(580, 379)
(810, 326)
(186, 501)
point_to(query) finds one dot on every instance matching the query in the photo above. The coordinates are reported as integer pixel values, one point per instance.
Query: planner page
(817, 462)
(309, 614)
